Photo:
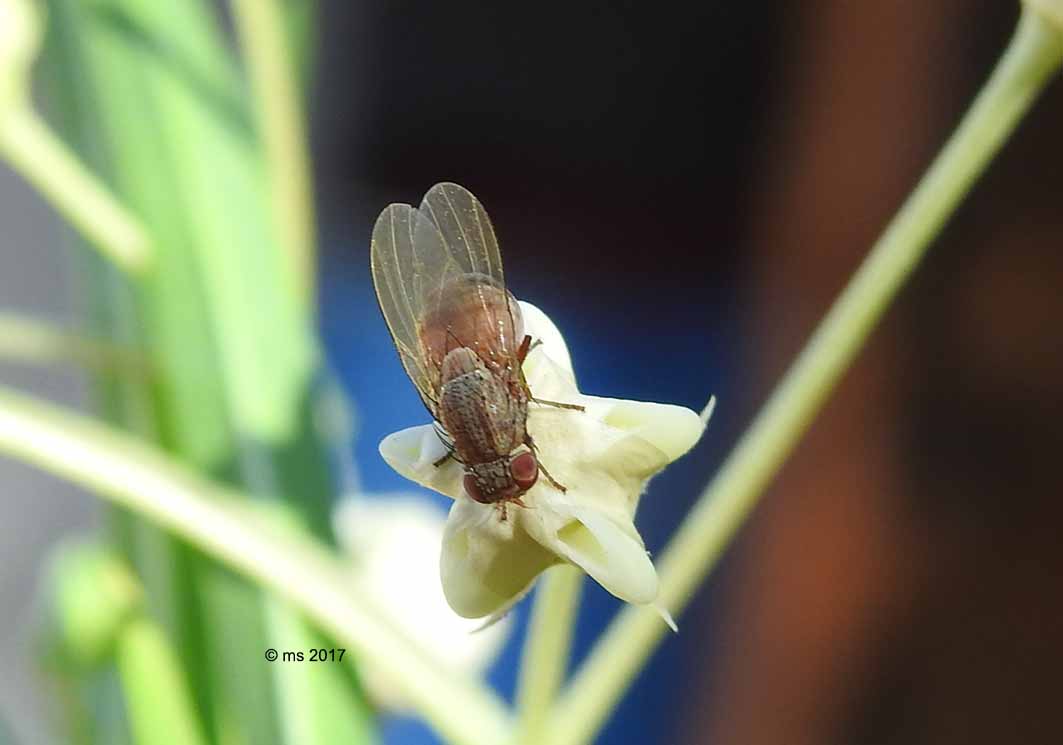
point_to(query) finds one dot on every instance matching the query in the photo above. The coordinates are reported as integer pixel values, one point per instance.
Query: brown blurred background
(903, 580)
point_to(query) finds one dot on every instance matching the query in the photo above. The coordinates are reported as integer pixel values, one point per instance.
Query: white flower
(394, 544)
(604, 456)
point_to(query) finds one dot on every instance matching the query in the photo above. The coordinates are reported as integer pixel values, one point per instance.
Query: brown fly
(460, 336)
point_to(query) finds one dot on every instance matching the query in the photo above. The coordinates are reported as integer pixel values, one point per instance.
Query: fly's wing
(465, 229)
(410, 264)
(469, 239)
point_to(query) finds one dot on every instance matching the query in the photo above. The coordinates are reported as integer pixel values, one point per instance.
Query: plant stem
(1033, 55)
(31, 341)
(271, 68)
(221, 523)
(546, 650)
(33, 150)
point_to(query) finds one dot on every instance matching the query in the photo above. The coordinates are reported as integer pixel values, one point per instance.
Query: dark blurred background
(684, 189)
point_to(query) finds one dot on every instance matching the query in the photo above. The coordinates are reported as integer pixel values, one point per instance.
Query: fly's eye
(473, 489)
(525, 470)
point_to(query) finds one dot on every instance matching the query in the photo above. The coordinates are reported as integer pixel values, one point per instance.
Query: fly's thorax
(484, 414)
(461, 361)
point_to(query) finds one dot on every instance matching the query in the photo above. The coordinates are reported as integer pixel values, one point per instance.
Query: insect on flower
(460, 336)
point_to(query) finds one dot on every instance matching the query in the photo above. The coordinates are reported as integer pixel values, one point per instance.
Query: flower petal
(600, 465)
(549, 380)
(413, 453)
(611, 553)
(671, 429)
(487, 564)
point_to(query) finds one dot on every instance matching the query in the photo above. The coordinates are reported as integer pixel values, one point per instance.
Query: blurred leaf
(151, 91)
(280, 122)
(106, 82)
(92, 594)
(301, 22)
(161, 711)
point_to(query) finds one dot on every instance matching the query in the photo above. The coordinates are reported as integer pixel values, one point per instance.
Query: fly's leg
(557, 404)
(502, 507)
(444, 459)
(526, 346)
(553, 482)
(522, 352)
(542, 468)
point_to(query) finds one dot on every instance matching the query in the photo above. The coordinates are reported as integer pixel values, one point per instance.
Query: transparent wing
(465, 229)
(469, 239)
(410, 265)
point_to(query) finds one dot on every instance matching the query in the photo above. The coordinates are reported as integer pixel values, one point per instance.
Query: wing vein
(401, 282)
(461, 229)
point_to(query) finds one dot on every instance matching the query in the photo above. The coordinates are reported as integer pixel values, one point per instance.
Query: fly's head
(502, 480)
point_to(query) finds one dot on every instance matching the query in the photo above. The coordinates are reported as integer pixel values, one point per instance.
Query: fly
(460, 336)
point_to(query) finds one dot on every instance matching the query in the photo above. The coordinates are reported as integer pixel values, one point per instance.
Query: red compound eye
(525, 470)
(472, 489)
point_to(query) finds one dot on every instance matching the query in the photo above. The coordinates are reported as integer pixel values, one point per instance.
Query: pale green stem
(156, 692)
(546, 650)
(31, 341)
(271, 68)
(1033, 55)
(222, 523)
(34, 150)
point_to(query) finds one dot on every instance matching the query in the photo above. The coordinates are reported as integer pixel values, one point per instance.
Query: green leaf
(224, 319)
(161, 711)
